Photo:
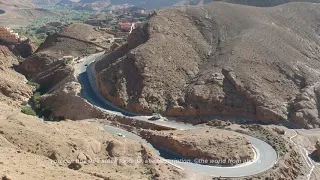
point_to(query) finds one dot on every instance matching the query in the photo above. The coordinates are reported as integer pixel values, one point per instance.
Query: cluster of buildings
(7, 35)
(130, 17)
(120, 20)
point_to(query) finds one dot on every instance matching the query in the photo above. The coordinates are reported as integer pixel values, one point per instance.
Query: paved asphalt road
(266, 156)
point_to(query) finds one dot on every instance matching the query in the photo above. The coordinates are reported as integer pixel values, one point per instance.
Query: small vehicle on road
(155, 116)
(121, 135)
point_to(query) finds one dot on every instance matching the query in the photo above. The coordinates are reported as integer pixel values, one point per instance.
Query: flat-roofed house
(7, 35)
(125, 26)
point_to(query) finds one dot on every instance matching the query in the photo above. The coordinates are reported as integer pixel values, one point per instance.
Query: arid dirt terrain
(187, 63)
(221, 59)
(33, 149)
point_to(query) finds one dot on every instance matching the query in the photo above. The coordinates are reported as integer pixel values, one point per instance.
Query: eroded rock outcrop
(210, 145)
(317, 151)
(306, 107)
(25, 48)
(65, 102)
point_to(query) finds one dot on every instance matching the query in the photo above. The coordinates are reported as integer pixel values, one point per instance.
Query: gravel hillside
(221, 59)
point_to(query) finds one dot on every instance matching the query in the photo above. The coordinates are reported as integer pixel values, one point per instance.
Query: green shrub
(29, 111)
(36, 100)
(115, 27)
(33, 84)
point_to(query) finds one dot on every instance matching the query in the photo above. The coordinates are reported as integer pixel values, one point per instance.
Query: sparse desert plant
(28, 111)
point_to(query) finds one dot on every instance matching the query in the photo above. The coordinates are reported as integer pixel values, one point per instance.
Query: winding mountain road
(265, 158)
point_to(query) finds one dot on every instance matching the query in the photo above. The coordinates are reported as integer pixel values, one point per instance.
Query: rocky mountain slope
(13, 86)
(46, 65)
(33, 149)
(220, 59)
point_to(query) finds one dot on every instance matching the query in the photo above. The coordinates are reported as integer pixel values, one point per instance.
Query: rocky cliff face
(13, 86)
(64, 101)
(25, 49)
(219, 59)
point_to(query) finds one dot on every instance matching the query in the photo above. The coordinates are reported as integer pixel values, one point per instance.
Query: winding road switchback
(265, 158)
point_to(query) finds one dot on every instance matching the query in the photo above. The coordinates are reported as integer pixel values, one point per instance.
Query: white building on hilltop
(7, 35)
